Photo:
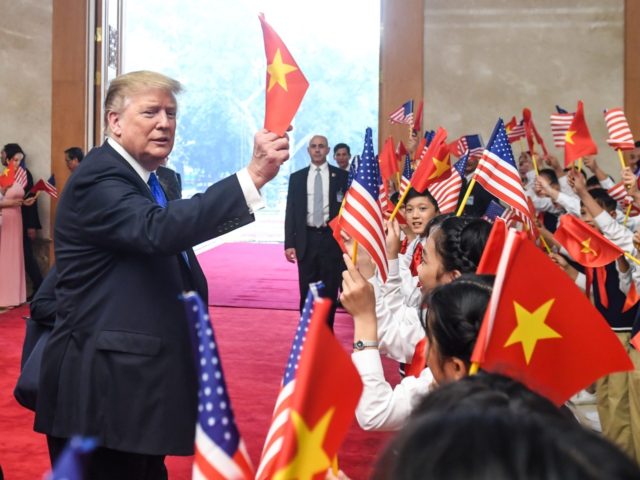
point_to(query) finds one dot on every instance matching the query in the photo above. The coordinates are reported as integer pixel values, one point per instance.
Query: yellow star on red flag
(278, 71)
(568, 137)
(310, 458)
(442, 166)
(586, 247)
(531, 328)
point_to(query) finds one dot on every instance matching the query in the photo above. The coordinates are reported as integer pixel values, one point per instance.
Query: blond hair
(124, 86)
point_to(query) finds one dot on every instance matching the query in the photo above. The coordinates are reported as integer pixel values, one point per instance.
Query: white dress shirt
(382, 407)
(324, 173)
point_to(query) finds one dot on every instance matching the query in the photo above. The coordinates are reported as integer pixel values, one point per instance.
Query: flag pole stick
(580, 164)
(621, 157)
(473, 369)
(354, 252)
(546, 245)
(466, 196)
(535, 162)
(400, 201)
(632, 258)
(626, 214)
(624, 165)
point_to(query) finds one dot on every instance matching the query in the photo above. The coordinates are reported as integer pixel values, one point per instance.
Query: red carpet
(251, 275)
(254, 345)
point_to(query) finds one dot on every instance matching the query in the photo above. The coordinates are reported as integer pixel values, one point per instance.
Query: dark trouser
(31, 265)
(107, 464)
(322, 261)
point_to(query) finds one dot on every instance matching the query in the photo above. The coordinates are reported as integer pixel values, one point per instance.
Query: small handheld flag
(220, 452)
(286, 84)
(403, 114)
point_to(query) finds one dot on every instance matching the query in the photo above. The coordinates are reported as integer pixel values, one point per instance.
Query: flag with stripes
(403, 114)
(220, 452)
(362, 213)
(619, 193)
(619, 132)
(47, 186)
(281, 412)
(407, 172)
(21, 177)
(473, 143)
(515, 130)
(447, 192)
(498, 174)
(323, 402)
(560, 123)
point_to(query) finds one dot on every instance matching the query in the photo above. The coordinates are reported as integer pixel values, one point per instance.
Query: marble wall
(25, 86)
(490, 58)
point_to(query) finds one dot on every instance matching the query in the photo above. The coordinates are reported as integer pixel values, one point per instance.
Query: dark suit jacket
(295, 220)
(30, 217)
(478, 201)
(119, 364)
(170, 183)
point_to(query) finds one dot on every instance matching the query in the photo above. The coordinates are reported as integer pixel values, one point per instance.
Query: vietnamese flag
(417, 119)
(388, 161)
(435, 163)
(8, 176)
(549, 337)
(323, 403)
(488, 264)
(585, 244)
(401, 150)
(531, 131)
(578, 142)
(286, 85)
(422, 146)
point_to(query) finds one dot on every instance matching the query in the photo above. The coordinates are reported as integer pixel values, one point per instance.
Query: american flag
(447, 192)
(498, 174)
(459, 147)
(362, 213)
(515, 131)
(493, 210)
(220, 452)
(48, 186)
(619, 132)
(407, 172)
(281, 412)
(21, 177)
(475, 145)
(619, 193)
(403, 114)
(560, 123)
(428, 136)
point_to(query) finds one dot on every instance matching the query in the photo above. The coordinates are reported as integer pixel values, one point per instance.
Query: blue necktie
(156, 190)
(161, 200)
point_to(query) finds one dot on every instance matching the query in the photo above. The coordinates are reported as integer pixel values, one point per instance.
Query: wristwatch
(362, 344)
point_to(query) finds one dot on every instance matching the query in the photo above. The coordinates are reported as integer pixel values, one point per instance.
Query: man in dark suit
(314, 198)
(119, 363)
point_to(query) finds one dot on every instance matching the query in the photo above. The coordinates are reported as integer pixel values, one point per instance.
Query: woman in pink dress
(13, 290)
